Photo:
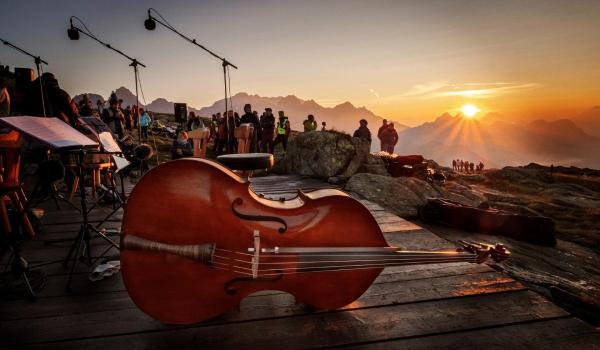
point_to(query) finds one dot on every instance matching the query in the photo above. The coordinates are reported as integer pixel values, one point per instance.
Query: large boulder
(325, 154)
(404, 195)
(374, 165)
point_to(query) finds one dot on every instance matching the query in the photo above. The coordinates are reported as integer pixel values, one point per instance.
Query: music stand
(57, 135)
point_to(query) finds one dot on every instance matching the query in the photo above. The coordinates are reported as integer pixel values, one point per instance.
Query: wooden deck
(447, 306)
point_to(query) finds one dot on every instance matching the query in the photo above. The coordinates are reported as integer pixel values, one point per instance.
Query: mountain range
(491, 139)
(497, 143)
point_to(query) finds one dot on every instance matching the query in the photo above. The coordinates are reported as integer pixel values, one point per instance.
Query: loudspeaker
(23, 77)
(181, 112)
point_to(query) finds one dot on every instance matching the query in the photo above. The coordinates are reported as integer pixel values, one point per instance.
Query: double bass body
(197, 202)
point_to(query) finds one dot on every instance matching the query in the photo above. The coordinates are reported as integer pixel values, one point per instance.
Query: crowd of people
(269, 130)
(464, 166)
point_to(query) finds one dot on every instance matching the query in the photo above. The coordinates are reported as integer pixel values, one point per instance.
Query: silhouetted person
(389, 138)
(144, 123)
(267, 125)
(283, 131)
(310, 124)
(194, 122)
(472, 167)
(363, 132)
(4, 99)
(57, 101)
(381, 129)
(481, 166)
(113, 117)
(323, 126)
(135, 116)
(453, 164)
(86, 106)
(220, 134)
(232, 123)
(250, 118)
(551, 169)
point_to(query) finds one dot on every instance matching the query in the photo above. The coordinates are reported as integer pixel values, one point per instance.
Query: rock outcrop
(325, 154)
(404, 195)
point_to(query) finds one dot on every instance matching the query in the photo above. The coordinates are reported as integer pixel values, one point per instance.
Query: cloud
(374, 93)
(437, 89)
(422, 89)
(486, 90)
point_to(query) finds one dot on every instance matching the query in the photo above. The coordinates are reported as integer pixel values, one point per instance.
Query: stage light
(72, 32)
(150, 23)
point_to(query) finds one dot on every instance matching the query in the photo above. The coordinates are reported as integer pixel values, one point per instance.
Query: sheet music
(120, 162)
(49, 131)
(108, 142)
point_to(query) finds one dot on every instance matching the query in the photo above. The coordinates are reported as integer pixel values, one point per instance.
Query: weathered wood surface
(446, 306)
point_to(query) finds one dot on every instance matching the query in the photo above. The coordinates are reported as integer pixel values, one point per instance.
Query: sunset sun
(469, 110)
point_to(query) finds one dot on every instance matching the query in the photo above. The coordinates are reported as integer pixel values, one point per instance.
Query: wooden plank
(108, 321)
(303, 331)
(53, 300)
(562, 333)
(399, 226)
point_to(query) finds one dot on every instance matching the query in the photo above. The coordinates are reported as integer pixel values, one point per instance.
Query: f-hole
(230, 288)
(239, 201)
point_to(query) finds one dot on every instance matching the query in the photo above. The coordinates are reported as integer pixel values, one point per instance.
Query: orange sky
(408, 61)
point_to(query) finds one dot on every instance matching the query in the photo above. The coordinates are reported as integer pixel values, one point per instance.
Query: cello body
(194, 202)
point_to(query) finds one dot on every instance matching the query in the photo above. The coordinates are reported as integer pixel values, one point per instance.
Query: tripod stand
(38, 64)
(83, 237)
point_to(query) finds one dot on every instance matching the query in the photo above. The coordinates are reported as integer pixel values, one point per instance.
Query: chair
(94, 164)
(199, 141)
(244, 134)
(10, 184)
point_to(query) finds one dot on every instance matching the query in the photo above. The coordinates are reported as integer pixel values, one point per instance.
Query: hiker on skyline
(283, 131)
(250, 117)
(310, 124)
(389, 138)
(267, 125)
(363, 132)
(381, 129)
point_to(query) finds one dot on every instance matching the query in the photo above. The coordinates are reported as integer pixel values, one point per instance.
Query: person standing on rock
(481, 167)
(381, 129)
(363, 132)
(472, 166)
(389, 138)
(454, 164)
(310, 124)
(283, 131)
(267, 125)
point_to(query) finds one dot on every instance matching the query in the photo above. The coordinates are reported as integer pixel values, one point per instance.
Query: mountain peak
(345, 105)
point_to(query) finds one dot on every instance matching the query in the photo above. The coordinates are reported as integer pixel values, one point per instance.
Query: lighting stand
(73, 34)
(150, 24)
(38, 64)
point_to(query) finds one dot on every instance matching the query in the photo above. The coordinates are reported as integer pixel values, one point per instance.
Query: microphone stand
(133, 63)
(225, 63)
(38, 64)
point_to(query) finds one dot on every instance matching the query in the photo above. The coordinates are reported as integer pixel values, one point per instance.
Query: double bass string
(322, 268)
(278, 272)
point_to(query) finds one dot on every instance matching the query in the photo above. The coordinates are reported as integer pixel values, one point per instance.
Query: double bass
(196, 240)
